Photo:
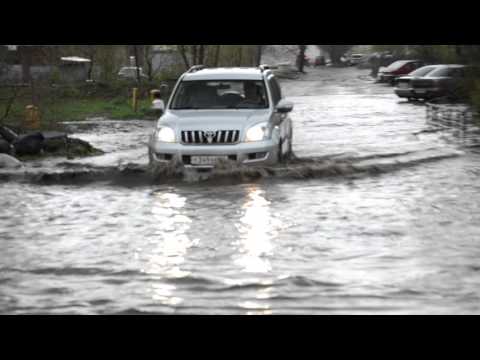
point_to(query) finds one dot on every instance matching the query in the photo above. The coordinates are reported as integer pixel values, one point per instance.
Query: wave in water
(297, 168)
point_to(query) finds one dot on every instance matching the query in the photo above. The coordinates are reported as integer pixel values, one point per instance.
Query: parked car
(398, 69)
(320, 61)
(355, 59)
(286, 71)
(404, 84)
(235, 115)
(131, 73)
(446, 80)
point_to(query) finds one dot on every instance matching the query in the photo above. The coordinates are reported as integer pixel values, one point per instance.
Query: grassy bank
(58, 105)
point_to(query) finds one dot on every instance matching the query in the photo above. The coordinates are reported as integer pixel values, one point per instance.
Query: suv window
(221, 94)
(276, 91)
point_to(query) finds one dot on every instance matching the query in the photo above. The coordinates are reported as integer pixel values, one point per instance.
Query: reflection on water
(171, 242)
(169, 245)
(257, 228)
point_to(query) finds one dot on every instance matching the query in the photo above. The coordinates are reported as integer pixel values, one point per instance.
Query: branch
(9, 104)
(181, 49)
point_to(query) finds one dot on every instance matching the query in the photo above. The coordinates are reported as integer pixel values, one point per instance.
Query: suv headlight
(258, 132)
(165, 134)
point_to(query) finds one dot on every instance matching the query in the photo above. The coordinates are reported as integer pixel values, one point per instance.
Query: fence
(458, 123)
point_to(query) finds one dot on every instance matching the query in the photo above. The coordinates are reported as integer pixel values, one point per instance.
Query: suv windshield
(223, 94)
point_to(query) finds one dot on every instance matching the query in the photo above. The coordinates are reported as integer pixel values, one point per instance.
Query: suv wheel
(280, 156)
(290, 151)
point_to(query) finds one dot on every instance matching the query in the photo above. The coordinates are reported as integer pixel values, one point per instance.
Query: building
(23, 63)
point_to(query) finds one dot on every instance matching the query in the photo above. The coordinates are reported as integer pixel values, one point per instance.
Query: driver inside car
(253, 95)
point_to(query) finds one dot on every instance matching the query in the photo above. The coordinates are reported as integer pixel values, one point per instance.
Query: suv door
(284, 121)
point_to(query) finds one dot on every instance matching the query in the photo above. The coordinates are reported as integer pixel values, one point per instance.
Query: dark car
(320, 61)
(404, 84)
(398, 69)
(445, 81)
(355, 59)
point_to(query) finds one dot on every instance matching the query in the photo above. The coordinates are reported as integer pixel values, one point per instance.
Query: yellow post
(135, 99)
(32, 117)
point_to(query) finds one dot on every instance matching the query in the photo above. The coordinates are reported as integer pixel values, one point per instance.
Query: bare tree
(201, 54)
(183, 52)
(9, 104)
(194, 54)
(91, 55)
(137, 63)
(25, 54)
(217, 55)
(301, 58)
(259, 53)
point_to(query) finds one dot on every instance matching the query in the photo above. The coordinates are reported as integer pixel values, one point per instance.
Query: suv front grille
(221, 137)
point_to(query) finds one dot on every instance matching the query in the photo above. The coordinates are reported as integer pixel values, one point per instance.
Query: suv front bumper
(254, 153)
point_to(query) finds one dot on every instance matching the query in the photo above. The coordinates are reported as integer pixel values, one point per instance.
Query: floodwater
(379, 214)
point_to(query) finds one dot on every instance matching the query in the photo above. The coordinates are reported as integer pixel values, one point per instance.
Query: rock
(8, 134)
(5, 147)
(54, 141)
(30, 144)
(8, 162)
(80, 148)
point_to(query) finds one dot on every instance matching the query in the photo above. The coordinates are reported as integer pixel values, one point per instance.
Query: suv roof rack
(196, 68)
(265, 67)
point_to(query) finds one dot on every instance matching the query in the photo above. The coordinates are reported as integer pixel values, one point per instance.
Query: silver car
(224, 114)
(445, 81)
(404, 87)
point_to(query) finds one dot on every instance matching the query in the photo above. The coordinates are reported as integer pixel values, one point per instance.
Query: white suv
(224, 114)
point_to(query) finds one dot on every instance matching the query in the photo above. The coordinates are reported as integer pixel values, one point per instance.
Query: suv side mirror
(284, 107)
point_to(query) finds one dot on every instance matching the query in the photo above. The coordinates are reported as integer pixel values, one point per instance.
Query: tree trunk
(183, 53)
(217, 55)
(259, 53)
(301, 58)
(240, 55)
(194, 55)
(148, 61)
(9, 105)
(459, 52)
(25, 53)
(201, 55)
(91, 55)
(135, 48)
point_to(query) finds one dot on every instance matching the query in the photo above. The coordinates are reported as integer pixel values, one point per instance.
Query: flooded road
(379, 214)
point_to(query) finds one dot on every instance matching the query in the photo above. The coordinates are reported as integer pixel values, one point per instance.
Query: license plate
(207, 160)
(403, 85)
(420, 91)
